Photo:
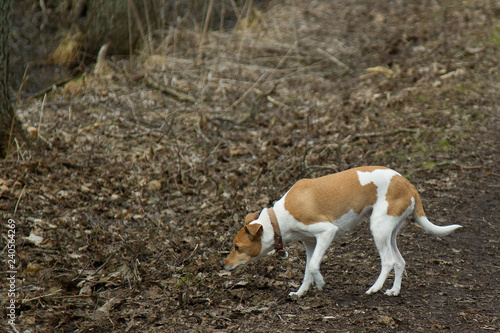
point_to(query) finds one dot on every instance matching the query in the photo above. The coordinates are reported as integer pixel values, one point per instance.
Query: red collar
(278, 241)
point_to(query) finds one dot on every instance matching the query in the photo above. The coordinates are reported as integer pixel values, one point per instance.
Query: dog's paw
(392, 292)
(371, 291)
(320, 284)
(375, 288)
(294, 295)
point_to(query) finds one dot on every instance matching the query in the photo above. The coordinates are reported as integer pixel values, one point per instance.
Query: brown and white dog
(317, 211)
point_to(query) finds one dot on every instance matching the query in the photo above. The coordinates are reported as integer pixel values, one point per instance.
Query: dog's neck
(278, 240)
(267, 238)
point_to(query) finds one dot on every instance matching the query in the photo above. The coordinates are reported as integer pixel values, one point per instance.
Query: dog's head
(247, 244)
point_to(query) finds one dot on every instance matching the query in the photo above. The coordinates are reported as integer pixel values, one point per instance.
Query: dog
(318, 211)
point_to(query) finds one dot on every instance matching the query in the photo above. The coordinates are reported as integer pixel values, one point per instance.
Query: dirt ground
(143, 171)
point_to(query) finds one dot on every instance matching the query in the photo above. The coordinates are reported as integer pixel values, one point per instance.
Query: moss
(184, 280)
(429, 165)
(445, 143)
(422, 98)
(495, 34)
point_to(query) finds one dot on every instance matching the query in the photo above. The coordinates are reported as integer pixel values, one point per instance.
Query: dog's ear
(254, 230)
(251, 217)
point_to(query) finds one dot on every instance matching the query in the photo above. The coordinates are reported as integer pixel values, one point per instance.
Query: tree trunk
(9, 125)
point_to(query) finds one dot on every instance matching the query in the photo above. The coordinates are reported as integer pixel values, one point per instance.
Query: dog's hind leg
(399, 265)
(382, 228)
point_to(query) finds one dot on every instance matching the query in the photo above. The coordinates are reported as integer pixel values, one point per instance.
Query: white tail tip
(431, 228)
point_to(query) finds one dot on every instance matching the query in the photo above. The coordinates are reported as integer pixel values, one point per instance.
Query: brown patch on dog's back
(328, 198)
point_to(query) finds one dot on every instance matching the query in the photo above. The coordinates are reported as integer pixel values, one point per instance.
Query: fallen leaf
(381, 70)
(386, 320)
(74, 255)
(86, 290)
(32, 269)
(34, 239)
(154, 185)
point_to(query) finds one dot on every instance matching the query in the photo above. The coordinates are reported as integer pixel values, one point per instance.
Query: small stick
(107, 260)
(150, 30)
(135, 12)
(19, 199)
(129, 17)
(333, 59)
(207, 21)
(192, 253)
(41, 296)
(388, 132)
(41, 115)
(236, 11)
(13, 327)
(261, 78)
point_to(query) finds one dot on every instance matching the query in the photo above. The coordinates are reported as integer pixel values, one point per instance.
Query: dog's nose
(222, 264)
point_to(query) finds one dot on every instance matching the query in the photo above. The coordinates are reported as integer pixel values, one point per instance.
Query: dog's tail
(427, 225)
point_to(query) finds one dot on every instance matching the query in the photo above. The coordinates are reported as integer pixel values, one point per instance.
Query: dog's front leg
(325, 232)
(308, 278)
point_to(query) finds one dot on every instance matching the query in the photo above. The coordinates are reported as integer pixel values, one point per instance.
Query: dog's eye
(237, 248)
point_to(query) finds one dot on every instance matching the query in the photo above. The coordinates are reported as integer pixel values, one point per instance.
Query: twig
(247, 6)
(192, 254)
(41, 296)
(13, 327)
(205, 26)
(107, 260)
(276, 102)
(134, 10)
(11, 134)
(135, 269)
(41, 115)
(18, 98)
(382, 133)
(271, 72)
(236, 11)
(222, 15)
(285, 57)
(150, 30)
(333, 59)
(332, 169)
(469, 167)
(18, 95)
(239, 100)
(45, 20)
(294, 27)
(19, 199)
(57, 83)
(130, 38)
(81, 272)
(362, 158)
(173, 92)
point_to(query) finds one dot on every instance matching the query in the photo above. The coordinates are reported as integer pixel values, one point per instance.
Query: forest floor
(142, 172)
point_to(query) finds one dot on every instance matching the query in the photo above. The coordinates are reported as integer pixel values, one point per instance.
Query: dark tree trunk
(9, 125)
